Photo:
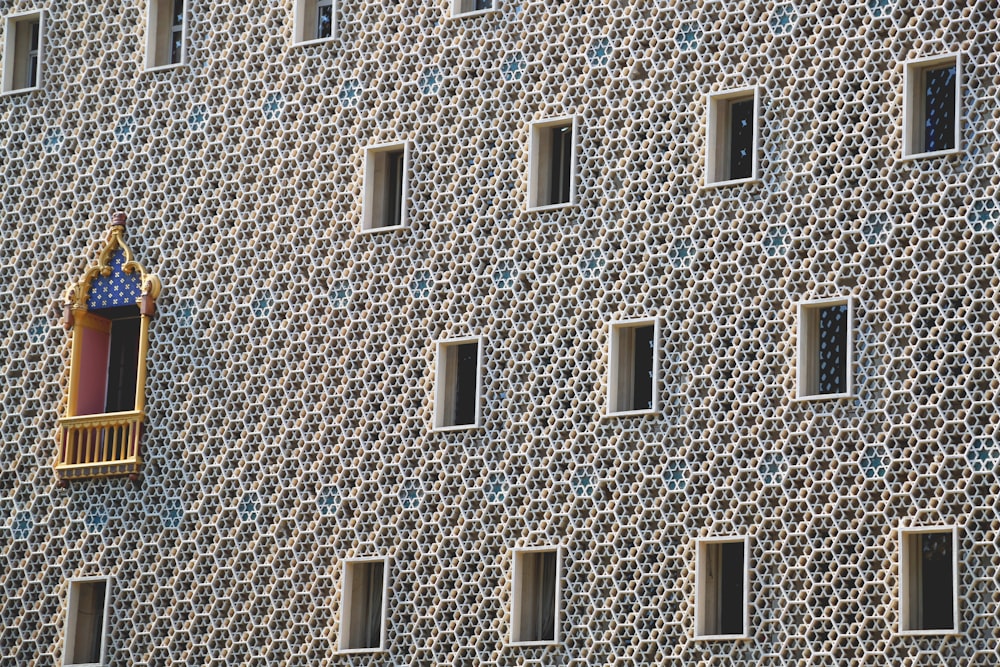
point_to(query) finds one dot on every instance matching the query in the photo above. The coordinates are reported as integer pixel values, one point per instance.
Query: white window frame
(158, 37)
(913, 104)
(15, 55)
(808, 348)
(517, 595)
(458, 12)
(373, 200)
(444, 390)
(306, 12)
(72, 613)
(905, 559)
(346, 604)
(717, 136)
(617, 353)
(702, 585)
(537, 161)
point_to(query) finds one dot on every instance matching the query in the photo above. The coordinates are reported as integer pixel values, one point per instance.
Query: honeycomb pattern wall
(291, 365)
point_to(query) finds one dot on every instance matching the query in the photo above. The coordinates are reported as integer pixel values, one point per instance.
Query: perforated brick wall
(291, 363)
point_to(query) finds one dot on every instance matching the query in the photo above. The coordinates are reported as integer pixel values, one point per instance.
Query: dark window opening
(87, 626)
(723, 589)
(386, 189)
(741, 130)
(934, 597)
(537, 612)
(393, 210)
(642, 368)
(366, 582)
(123, 361)
(324, 19)
(560, 164)
(32, 73)
(177, 32)
(832, 350)
(940, 90)
(466, 386)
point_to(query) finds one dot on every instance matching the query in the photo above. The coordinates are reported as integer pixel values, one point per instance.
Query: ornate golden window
(108, 312)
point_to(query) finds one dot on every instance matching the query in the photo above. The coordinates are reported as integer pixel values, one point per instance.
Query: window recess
(108, 312)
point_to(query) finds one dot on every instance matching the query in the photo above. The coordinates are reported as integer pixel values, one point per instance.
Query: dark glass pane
(546, 597)
(561, 163)
(123, 365)
(936, 581)
(178, 16)
(176, 47)
(393, 209)
(939, 110)
(741, 139)
(34, 36)
(483, 4)
(833, 350)
(32, 78)
(467, 383)
(372, 612)
(731, 589)
(642, 379)
(324, 22)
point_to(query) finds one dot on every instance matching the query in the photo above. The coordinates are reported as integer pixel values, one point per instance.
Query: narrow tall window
(165, 38)
(458, 381)
(732, 136)
(315, 20)
(721, 589)
(362, 625)
(552, 164)
(825, 354)
(932, 112)
(22, 67)
(632, 378)
(86, 618)
(385, 187)
(535, 599)
(929, 580)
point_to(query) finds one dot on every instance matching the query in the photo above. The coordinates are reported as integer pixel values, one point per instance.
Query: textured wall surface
(289, 397)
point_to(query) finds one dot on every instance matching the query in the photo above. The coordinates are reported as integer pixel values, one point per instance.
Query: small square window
(165, 33)
(22, 62)
(460, 7)
(825, 348)
(535, 599)
(86, 621)
(362, 623)
(632, 381)
(315, 20)
(385, 187)
(456, 402)
(552, 164)
(929, 580)
(721, 605)
(733, 137)
(932, 106)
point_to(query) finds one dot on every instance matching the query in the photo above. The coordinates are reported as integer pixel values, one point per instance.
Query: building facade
(460, 332)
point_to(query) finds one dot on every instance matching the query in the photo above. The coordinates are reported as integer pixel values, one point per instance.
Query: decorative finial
(118, 219)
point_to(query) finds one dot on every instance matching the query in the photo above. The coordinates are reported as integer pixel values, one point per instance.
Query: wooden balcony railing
(99, 445)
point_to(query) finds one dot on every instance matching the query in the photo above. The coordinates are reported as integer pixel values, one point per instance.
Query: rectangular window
(825, 348)
(86, 621)
(733, 137)
(535, 599)
(552, 163)
(362, 624)
(932, 110)
(929, 580)
(460, 7)
(457, 400)
(721, 573)
(22, 68)
(315, 20)
(632, 381)
(165, 33)
(385, 187)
